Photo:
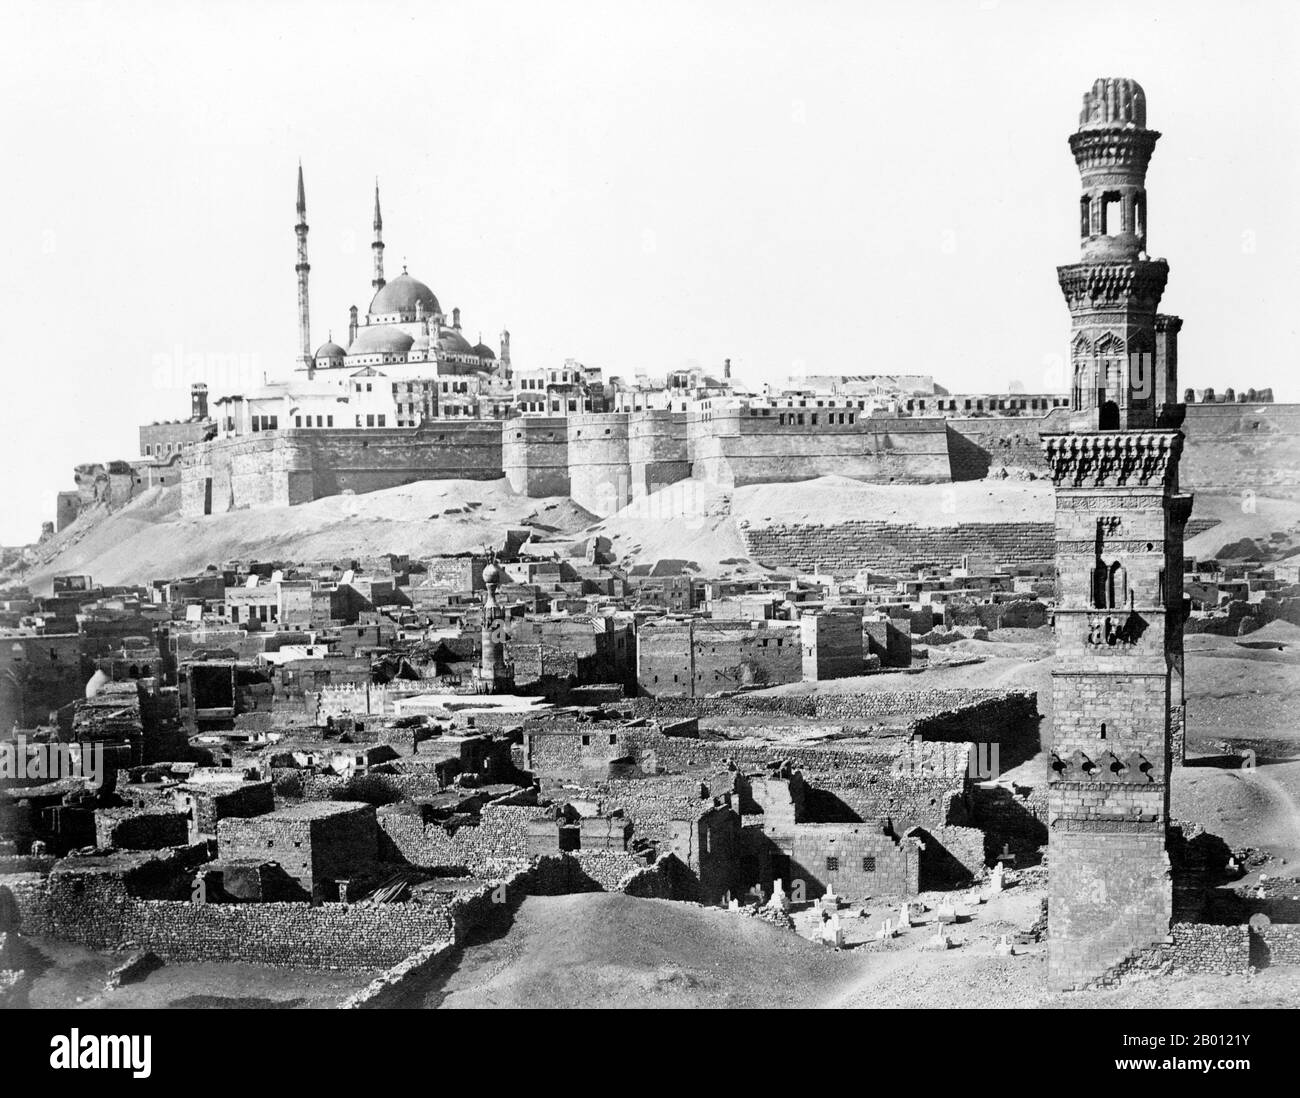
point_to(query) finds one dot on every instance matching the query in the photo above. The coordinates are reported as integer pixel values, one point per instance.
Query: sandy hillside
(599, 950)
(149, 539)
(1240, 515)
(700, 522)
(610, 950)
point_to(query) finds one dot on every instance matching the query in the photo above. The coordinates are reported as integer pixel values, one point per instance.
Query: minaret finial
(377, 248)
(305, 360)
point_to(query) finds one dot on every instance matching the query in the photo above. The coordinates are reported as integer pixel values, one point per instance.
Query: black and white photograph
(624, 506)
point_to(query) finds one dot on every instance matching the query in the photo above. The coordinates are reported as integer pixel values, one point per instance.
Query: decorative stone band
(1113, 459)
(1133, 769)
(1102, 286)
(1148, 822)
(1124, 151)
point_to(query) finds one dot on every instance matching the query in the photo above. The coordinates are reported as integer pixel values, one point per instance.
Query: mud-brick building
(317, 843)
(692, 658)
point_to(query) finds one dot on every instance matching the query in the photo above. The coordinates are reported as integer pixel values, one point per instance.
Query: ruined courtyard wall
(500, 835)
(97, 912)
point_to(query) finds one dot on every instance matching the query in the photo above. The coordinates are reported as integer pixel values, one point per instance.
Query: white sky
(829, 187)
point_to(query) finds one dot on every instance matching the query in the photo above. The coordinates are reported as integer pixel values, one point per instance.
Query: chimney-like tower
(199, 400)
(726, 369)
(377, 248)
(352, 325)
(1122, 354)
(303, 268)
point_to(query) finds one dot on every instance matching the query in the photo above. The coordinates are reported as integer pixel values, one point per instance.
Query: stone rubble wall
(848, 547)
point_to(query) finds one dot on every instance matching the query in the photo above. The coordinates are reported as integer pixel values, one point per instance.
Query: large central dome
(401, 296)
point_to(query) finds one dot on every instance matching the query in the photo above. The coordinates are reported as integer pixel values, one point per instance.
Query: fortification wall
(284, 468)
(980, 444)
(535, 455)
(603, 460)
(734, 448)
(845, 548)
(657, 450)
(1229, 446)
(1241, 446)
(600, 473)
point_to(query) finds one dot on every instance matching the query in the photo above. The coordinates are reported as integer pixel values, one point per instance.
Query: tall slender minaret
(1117, 678)
(377, 248)
(303, 268)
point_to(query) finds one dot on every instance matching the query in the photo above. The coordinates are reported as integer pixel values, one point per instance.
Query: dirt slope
(148, 538)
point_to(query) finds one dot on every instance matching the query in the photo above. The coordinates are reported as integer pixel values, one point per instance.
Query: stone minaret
(1117, 678)
(504, 356)
(1122, 350)
(377, 248)
(492, 673)
(303, 268)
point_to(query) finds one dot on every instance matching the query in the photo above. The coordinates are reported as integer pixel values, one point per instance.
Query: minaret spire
(377, 248)
(303, 268)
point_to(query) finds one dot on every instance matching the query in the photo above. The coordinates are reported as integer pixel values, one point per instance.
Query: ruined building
(1117, 683)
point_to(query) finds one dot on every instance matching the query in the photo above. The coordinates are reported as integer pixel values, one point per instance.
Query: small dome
(401, 295)
(483, 351)
(1114, 101)
(380, 339)
(491, 574)
(329, 350)
(451, 342)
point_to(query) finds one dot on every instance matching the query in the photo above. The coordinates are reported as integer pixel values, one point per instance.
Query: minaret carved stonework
(1117, 679)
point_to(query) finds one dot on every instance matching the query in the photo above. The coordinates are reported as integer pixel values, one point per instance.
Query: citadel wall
(737, 446)
(285, 468)
(600, 469)
(603, 461)
(535, 455)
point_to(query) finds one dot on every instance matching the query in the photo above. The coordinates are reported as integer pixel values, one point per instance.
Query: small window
(869, 863)
(586, 741)
(832, 864)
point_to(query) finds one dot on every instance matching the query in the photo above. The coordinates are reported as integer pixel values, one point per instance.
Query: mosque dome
(483, 351)
(451, 342)
(401, 296)
(381, 339)
(491, 574)
(329, 350)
